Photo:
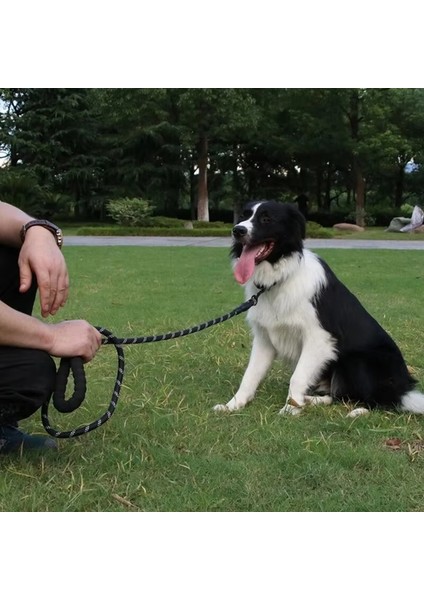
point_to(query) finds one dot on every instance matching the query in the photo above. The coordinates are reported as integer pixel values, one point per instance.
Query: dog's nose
(239, 231)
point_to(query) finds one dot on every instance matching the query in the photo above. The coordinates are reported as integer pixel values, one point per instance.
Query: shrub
(210, 225)
(130, 211)
(314, 230)
(165, 222)
(406, 210)
(154, 231)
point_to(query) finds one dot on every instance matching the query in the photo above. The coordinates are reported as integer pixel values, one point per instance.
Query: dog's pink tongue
(245, 265)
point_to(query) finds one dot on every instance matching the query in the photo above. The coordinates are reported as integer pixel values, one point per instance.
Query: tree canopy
(66, 151)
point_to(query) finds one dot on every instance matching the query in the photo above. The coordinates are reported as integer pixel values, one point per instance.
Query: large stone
(348, 227)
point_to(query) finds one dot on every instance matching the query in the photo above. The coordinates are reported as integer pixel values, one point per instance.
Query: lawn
(166, 450)
(377, 233)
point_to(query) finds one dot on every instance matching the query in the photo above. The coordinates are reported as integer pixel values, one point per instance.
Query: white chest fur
(285, 312)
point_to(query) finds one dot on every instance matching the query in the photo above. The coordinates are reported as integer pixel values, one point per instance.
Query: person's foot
(13, 439)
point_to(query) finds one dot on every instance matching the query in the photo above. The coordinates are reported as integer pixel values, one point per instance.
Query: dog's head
(267, 232)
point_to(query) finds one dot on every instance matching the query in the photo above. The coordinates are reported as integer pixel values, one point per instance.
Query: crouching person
(31, 259)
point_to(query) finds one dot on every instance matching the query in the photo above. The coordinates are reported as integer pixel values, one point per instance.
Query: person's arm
(39, 256)
(68, 338)
(11, 221)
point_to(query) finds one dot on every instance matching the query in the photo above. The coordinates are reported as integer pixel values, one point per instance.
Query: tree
(53, 137)
(144, 152)
(211, 117)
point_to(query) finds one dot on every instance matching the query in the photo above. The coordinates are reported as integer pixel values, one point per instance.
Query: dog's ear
(298, 220)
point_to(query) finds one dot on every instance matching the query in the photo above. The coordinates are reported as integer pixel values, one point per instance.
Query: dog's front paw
(358, 412)
(288, 409)
(236, 403)
(221, 408)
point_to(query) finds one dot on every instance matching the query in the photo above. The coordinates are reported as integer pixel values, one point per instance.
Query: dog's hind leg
(261, 359)
(317, 352)
(317, 400)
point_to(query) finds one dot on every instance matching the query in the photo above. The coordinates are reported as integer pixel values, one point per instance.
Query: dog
(307, 316)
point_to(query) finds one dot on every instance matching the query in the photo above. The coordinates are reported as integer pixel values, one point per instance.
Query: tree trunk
(359, 183)
(192, 193)
(399, 186)
(237, 192)
(327, 194)
(318, 188)
(358, 179)
(202, 192)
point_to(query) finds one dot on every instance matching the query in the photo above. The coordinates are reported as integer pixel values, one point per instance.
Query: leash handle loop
(75, 365)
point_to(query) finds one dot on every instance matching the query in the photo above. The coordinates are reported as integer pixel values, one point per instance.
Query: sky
(189, 44)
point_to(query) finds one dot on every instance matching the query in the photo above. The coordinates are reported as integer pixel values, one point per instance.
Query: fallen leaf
(393, 443)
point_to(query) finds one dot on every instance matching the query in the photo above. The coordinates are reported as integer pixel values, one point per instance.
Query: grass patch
(165, 450)
(377, 233)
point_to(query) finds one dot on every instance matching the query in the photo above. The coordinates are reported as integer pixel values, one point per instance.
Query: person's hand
(40, 256)
(74, 338)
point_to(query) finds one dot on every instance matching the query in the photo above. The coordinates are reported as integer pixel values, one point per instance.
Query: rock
(348, 227)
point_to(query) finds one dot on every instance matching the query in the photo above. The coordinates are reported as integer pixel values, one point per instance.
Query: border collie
(308, 317)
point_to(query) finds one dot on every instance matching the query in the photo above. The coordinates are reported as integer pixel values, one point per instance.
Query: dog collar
(263, 288)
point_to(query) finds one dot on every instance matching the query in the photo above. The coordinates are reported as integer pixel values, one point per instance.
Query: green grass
(166, 450)
(378, 233)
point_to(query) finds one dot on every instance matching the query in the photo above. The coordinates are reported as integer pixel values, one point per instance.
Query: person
(31, 259)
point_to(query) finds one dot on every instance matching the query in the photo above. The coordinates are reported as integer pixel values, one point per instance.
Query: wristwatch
(55, 230)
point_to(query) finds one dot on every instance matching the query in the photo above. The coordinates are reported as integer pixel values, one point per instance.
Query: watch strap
(54, 229)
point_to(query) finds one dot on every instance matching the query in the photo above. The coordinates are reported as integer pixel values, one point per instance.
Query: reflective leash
(76, 367)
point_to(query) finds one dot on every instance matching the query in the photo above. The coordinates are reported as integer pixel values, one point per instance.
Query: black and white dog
(307, 316)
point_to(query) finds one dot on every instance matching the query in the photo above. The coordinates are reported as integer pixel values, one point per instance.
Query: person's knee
(27, 381)
(44, 376)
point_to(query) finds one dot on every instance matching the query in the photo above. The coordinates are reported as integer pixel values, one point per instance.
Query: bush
(327, 219)
(154, 231)
(165, 222)
(210, 225)
(130, 211)
(314, 230)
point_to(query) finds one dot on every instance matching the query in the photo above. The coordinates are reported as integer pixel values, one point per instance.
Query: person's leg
(27, 376)
(9, 282)
(27, 379)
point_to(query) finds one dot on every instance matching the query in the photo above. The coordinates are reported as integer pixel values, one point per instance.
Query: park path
(225, 242)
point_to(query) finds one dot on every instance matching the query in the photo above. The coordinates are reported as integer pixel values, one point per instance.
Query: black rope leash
(76, 367)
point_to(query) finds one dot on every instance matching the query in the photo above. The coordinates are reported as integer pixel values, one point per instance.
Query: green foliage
(130, 211)
(19, 188)
(406, 210)
(156, 231)
(159, 226)
(314, 230)
(368, 218)
(165, 222)
(91, 144)
(213, 224)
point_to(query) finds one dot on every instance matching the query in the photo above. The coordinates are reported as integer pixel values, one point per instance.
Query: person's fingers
(25, 276)
(46, 291)
(59, 294)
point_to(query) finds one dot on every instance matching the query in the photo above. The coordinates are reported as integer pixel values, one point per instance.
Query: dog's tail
(413, 402)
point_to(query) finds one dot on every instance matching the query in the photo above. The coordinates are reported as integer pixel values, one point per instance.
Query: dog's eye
(246, 214)
(265, 219)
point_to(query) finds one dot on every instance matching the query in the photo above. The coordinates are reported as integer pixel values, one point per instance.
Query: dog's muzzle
(239, 231)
